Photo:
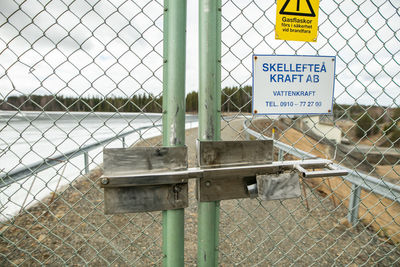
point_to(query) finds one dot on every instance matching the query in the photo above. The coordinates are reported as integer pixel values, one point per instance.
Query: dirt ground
(349, 129)
(73, 230)
(389, 172)
(376, 212)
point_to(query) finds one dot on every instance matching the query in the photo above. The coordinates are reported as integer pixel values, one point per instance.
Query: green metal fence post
(174, 117)
(209, 119)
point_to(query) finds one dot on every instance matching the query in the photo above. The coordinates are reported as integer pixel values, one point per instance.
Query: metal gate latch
(136, 179)
(156, 178)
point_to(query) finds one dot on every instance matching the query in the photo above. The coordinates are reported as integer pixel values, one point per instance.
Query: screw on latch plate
(176, 189)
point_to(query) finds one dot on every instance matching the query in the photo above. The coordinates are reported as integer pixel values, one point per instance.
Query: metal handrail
(376, 185)
(356, 178)
(33, 168)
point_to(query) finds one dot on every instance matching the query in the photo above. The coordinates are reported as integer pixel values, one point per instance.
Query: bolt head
(208, 183)
(177, 189)
(104, 181)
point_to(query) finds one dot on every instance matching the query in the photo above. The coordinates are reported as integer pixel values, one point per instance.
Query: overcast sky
(114, 47)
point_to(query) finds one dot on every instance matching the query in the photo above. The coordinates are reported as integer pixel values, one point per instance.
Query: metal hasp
(244, 169)
(223, 154)
(278, 186)
(155, 178)
(125, 192)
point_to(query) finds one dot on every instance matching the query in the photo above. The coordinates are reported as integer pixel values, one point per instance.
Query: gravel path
(74, 231)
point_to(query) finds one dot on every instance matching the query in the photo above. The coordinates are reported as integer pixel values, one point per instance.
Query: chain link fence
(75, 76)
(319, 229)
(79, 75)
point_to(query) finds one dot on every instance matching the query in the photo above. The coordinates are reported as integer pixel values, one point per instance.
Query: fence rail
(36, 167)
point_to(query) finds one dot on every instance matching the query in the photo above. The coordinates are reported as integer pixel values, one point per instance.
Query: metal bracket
(149, 179)
(282, 186)
(226, 154)
(212, 154)
(123, 193)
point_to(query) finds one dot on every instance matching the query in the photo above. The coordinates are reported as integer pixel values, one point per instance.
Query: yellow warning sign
(297, 20)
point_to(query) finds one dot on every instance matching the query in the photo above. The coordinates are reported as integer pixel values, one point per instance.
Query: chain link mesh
(61, 63)
(64, 61)
(363, 35)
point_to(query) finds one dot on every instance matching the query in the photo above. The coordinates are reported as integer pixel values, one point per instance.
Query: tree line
(233, 99)
(136, 103)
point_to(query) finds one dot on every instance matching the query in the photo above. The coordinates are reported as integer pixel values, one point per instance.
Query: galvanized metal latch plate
(282, 186)
(212, 154)
(224, 154)
(124, 194)
(155, 178)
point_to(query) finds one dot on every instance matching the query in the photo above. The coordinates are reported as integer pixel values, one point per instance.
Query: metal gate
(80, 75)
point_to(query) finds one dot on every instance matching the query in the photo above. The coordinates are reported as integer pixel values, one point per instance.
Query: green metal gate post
(174, 117)
(209, 119)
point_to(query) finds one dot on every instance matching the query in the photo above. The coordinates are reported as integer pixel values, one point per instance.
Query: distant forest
(233, 99)
(137, 103)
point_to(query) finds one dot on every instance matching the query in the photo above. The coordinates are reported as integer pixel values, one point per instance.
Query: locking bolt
(105, 181)
(252, 189)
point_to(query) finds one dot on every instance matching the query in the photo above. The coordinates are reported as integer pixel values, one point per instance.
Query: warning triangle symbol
(297, 10)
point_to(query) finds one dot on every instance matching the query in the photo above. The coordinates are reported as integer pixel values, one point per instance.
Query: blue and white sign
(293, 84)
